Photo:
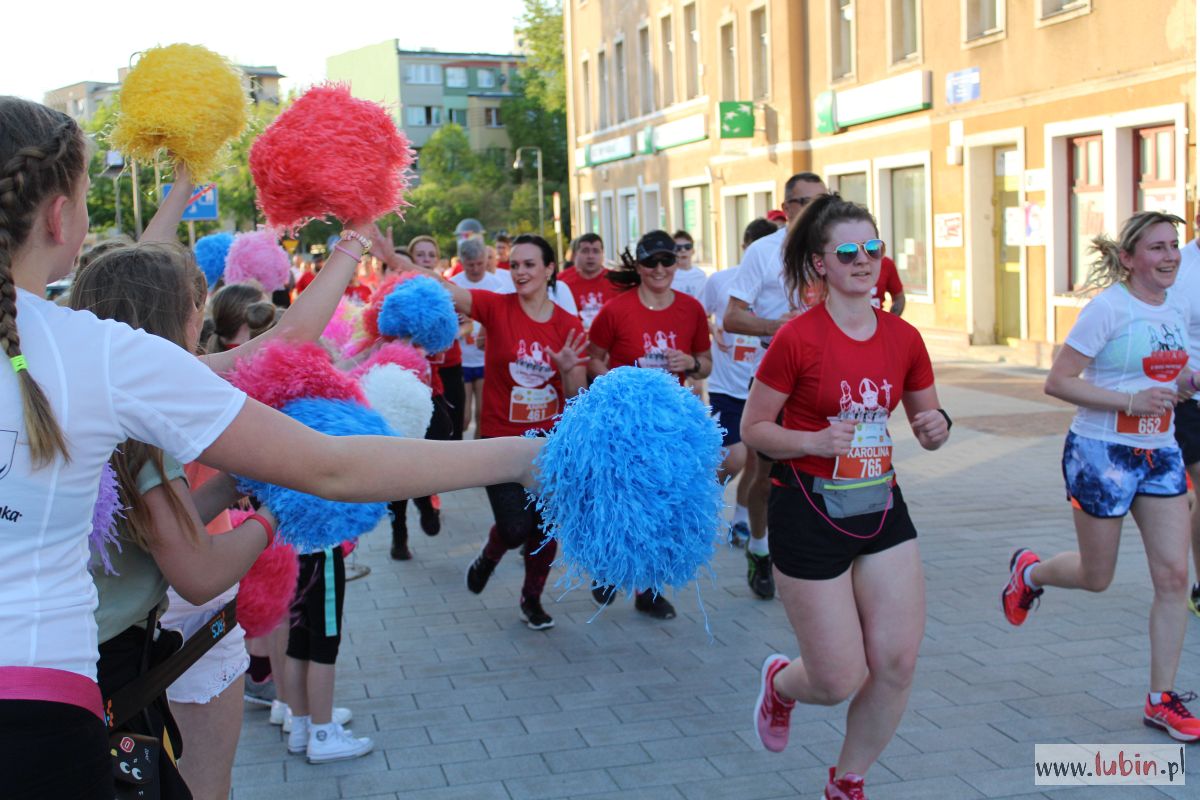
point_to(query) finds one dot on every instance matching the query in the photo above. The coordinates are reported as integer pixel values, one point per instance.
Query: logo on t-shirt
(590, 304)
(656, 348)
(532, 367)
(870, 454)
(8, 449)
(867, 408)
(1168, 356)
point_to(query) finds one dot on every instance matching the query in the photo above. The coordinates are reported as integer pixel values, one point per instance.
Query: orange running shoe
(1018, 596)
(1171, 715)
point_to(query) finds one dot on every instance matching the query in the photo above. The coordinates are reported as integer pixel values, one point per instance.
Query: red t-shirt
(826, 374)
(523, 390)
(304, 280)
(634, 335)
(360, 293)
(447, 358)
(590, 294)
(889, 281)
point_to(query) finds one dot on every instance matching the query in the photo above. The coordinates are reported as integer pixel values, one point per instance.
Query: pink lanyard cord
(833, 524)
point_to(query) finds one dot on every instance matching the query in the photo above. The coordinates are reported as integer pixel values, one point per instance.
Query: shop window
(692, 214)
(841, 39)
(1085, 169)
(667, 36)
(630, 228)
(1154, 168)
(908, 245)
(852, 186)
(591, 216)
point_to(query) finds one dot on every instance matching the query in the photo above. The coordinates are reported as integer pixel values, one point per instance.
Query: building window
(456, 77)
(491, 118)
(422, 73)
(905, 21)
(908, 245)
(646, 76)
(591, 216)
(653, 213)
(692, 214)
(668, 60)
(760, 43)
(841, 39)
(630, 229)
(1085, 166)
(983, 17)
(486, 78)
(457, 115)
(622, 89)
(692, 50)
(602, 78)
(852, 186)
(587, 97)
(423, 116)
(607, 223)
(1051, 8)
(1154, 168)
(729, 87)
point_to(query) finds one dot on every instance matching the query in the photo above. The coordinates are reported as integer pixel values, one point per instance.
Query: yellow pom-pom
(183, 98)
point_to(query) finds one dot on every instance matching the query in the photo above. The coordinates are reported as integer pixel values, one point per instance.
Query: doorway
(1008, 235)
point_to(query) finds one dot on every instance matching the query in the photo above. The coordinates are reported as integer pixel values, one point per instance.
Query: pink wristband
(344, 251)
(261, 520)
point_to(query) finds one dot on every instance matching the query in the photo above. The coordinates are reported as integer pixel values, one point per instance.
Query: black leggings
(53, 750)
(441, 429)
(454, 394)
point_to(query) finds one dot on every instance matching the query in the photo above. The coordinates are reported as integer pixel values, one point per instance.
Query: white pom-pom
(400, 397)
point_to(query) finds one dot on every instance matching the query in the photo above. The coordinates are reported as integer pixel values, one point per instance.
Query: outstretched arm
(165, 224)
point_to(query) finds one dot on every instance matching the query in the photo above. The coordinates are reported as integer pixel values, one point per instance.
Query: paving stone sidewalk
(463, 701)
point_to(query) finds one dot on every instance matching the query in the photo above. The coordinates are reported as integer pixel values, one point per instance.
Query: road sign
(202, 207)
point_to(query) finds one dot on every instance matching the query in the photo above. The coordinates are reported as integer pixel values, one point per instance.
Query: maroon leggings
(518, 523)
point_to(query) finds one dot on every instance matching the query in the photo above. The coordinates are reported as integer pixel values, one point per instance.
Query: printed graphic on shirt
(472, 335)
(746, 349)
(1167, 358)
(531, 399)
(8, 450)
(589, 306)
(876, 300)
(870, 454)
(656, 348)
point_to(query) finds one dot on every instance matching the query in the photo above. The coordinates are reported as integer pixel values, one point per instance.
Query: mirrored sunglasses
(848, 251)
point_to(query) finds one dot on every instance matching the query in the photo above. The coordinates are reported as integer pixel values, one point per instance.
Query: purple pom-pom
(104, 518)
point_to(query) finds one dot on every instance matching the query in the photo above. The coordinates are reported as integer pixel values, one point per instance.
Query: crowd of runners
(800, 352)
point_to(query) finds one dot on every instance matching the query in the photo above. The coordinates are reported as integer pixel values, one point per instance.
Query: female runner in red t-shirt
(534, 361)
(843, 545)
(651, 326)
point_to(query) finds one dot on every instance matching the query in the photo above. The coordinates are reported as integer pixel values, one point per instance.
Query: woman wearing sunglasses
(843, 545)
(652, 326)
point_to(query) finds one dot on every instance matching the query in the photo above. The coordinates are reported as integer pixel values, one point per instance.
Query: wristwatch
(695, 366)
(949, 422)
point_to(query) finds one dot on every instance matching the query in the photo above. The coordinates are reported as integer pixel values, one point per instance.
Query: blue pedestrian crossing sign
(202, 207)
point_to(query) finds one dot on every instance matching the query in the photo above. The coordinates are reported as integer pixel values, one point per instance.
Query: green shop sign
(893, 97)
(737, 119)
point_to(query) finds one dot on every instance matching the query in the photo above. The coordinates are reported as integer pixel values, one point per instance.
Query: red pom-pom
(266, 591)
(281, 372)
(402, 355)
(330, 154)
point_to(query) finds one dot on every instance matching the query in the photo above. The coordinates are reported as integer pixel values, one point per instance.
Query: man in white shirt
(758, 306)
(1186, 294)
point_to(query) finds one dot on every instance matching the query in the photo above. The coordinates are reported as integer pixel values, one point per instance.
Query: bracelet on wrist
(347, 252)
(261, 520)
(355, 236)
(1129, 406)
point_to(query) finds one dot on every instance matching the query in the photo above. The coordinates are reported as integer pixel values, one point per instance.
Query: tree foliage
(541, 27)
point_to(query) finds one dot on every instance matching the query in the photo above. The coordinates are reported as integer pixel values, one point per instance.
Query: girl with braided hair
(74, 387)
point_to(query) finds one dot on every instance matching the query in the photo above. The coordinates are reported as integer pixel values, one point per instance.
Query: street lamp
(541, 202)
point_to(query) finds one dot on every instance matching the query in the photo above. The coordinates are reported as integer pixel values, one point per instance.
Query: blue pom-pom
(211, 252)
(421, 310)
(647, 451)
(311, 523)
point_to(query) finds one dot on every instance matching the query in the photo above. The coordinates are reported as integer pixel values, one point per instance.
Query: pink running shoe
(772, 714)
(1018, 596)
(847, 787)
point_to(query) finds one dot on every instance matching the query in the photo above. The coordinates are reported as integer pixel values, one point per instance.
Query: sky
(57, 44)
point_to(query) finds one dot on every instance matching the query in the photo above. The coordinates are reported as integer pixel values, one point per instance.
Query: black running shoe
(400, 551)
(654, 605)
(758, 575)
(603, 595)
(431, 517)
(478, 573)
(534, 615)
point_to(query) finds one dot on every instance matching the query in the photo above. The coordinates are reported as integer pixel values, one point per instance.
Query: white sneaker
(341, 716)
(298, 730)
(279, 714)
(334, 743)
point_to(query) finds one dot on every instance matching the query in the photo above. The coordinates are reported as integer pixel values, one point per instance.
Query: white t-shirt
(106, 383)
(1129, 341)
(1186, 294)
(472, 356)
(732, 371)
(760, 282)
(689, 281)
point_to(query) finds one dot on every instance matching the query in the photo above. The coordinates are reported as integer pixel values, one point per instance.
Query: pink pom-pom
(237, 516)
(330, 154)
(402, 355)
(257, 257)
(340, 329)
(267, 590)
(281, 372)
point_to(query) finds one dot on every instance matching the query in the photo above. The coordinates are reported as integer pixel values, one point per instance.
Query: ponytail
(808, 237)
(1107, 268)
(42, 155)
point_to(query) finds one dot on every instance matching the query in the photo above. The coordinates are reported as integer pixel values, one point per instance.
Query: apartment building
(426, 89)
(991, 138)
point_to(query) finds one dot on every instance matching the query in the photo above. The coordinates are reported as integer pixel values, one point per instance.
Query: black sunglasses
(682, 247)
(658, 261)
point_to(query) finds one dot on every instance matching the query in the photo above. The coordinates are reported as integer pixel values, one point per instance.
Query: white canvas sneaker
(334, 743)
(297, 734)
(341, 716)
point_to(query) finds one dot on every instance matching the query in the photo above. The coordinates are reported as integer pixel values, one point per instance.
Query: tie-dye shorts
(1103, 478)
